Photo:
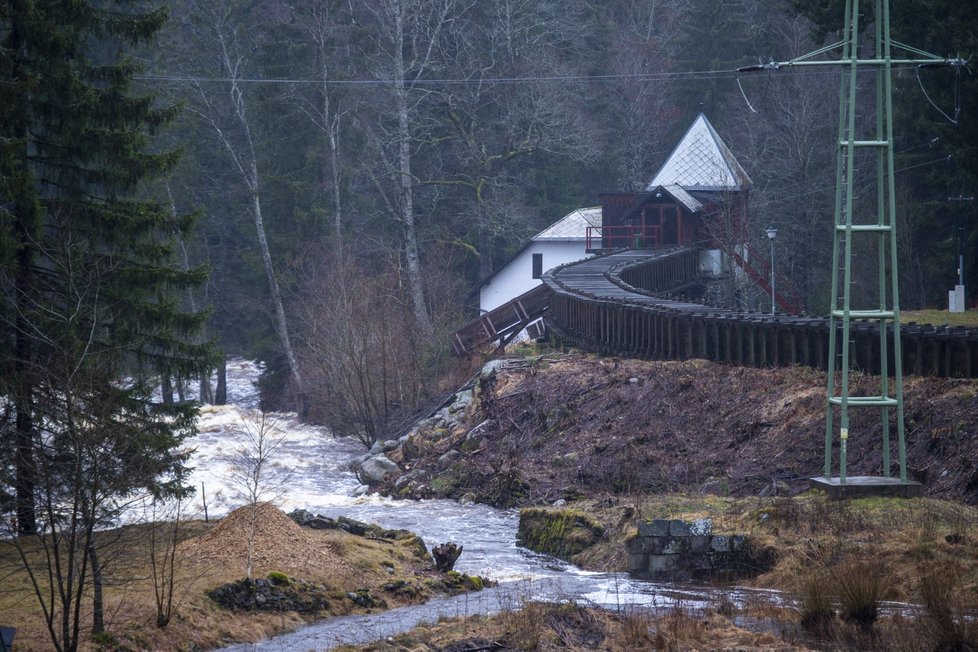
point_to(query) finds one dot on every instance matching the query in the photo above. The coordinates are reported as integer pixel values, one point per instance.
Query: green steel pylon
(887, 312)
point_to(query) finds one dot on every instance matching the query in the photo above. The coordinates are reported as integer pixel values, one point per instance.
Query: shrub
(944, 618)
(816, 603)
(860, 587)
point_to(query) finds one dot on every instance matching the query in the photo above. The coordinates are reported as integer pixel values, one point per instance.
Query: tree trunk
(281, 325)
(411, 256)
(98, 608)
(166, 388)
(26, 226)
(26, 516)
(206, 395)
(221, 393)
(246, 161)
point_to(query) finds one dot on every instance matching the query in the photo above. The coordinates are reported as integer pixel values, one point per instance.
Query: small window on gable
(537, 265)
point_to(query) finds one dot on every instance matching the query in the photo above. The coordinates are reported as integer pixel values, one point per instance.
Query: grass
(577, 628)
(934, 317)
(129, 597)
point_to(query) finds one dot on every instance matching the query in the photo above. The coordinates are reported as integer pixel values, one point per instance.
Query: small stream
(315, 467)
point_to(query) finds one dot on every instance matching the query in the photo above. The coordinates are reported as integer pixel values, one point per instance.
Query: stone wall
(677, 550)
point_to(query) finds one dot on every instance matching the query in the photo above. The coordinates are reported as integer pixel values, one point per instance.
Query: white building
(560, 243)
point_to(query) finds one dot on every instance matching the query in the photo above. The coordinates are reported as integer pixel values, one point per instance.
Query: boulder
(461, 402)
(375, 469)
(475, 436)
(490, 367)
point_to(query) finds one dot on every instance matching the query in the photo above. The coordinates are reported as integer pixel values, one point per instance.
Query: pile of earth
(563, 426)
(279, 544)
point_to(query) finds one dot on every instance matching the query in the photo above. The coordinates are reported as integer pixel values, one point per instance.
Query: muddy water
(312, 470)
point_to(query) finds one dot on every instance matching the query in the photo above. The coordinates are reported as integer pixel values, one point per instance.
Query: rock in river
(375, 468)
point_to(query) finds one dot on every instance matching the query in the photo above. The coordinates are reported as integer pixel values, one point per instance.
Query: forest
(360, 166)
(320, 186)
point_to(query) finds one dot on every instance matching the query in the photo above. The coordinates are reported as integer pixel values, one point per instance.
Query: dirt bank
(569, 425)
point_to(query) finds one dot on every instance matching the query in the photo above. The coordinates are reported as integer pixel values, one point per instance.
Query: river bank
(300, 575)
(545, 426)
(591, 448)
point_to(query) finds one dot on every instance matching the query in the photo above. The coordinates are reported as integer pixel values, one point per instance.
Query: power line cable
(461, 81)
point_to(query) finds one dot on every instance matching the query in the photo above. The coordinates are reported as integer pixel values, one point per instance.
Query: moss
(454, 581)
(445, 484)
(562, 533)
(278, 578)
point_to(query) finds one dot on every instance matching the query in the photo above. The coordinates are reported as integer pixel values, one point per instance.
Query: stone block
(679, 528)
(655, 528)
(674, 546)
(660, 564)
(702, 526)
(699, 544)
(720, 544)
(637, 563)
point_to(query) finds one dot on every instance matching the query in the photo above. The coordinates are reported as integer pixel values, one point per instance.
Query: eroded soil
(572, 425)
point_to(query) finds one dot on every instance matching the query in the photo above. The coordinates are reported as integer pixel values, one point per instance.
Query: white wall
(517, 276)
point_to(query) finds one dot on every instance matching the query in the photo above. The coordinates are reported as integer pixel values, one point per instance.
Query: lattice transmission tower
(870, 142)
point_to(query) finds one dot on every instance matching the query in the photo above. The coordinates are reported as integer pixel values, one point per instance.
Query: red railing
(623, 237)
(785, 295)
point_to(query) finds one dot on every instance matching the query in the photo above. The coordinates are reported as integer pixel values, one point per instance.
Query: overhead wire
(465, 81)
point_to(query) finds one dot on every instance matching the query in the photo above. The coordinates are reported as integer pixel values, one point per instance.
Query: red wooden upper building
(698, 196)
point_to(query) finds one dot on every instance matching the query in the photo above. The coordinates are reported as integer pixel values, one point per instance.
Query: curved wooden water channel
(630, 303)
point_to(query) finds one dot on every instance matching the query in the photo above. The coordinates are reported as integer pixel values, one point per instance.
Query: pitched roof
(701, 161)
(572, 226)
(679, 194)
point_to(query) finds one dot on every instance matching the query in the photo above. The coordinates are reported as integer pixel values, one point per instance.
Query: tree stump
(446, 555)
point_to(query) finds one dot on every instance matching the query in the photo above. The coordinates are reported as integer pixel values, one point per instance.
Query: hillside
(567, 425)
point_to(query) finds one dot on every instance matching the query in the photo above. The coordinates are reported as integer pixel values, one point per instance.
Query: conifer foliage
(88, 287)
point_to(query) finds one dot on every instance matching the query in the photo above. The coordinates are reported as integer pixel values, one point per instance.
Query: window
(537, 265)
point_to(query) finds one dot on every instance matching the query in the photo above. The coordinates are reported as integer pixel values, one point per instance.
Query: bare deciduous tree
(250, 460)
(225, 109)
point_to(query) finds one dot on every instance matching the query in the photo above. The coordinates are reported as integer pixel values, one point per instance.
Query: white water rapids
(314, 467)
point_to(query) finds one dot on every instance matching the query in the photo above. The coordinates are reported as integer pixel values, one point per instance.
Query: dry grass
(210, 556)
(861, 585)
(940, 317)
(571, 627)
(947, 617)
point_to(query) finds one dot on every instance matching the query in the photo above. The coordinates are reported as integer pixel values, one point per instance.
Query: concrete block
(655, 528)
(699, 544)
(638, 563)
(679, 528)
(655, 545)
(702, 526)
(720, 543)
(663, 563)
(635, 545)
(675, 546)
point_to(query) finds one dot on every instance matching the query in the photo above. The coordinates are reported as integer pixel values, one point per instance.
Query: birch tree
(224, 108)
(410, 34)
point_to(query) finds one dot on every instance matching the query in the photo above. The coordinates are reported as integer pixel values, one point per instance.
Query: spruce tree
(89, 280)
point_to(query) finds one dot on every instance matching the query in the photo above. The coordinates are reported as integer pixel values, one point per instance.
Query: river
(315, 468)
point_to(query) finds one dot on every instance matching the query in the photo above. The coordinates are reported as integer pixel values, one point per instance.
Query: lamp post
(772, 233)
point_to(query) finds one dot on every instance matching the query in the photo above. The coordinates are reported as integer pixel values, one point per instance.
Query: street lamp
(772, 233)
